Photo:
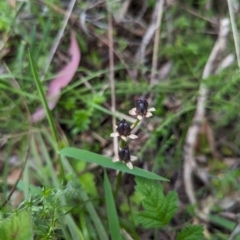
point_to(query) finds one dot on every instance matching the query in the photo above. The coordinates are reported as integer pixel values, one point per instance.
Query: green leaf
(88, 183)
(158, 208)
(222, 222)
(111, 210)
(107, 162)
(191, 233)
(18, 226)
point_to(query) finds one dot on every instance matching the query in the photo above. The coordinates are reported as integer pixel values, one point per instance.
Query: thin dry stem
(148, 35)
(226, 62)
(111, 77)
(156, 40)
(19, 177)
(191, 138)
(126, 234)
(58, 37)
(234, 29)
(236, 229)
(121, 13)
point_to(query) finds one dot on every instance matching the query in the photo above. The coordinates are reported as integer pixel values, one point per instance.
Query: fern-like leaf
(159, 209)
(194, 232)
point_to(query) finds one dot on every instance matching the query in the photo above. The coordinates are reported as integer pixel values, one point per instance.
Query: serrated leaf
(18, 226)
(194, 232)
(158, 208)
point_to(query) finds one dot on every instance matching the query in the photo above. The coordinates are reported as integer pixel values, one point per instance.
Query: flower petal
(151, 109)
(133, 111)
(115, 159)
(63, 78)
(133, 136)
(133, 158)
(149, 114)
(115, 134)
(139, 117)
(129, 165)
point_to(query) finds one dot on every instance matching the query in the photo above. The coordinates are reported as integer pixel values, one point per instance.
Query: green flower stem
(119, 176)
(136, 123)
(123, 144)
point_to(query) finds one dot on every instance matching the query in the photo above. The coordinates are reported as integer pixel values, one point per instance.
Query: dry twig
(156, 41)
(149, 34)
(234, 29)
(19, 177)
(59, 36)
(236, 229)
(191, 139)
(111, 75)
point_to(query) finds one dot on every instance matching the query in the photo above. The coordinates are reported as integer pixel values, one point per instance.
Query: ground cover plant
(119, 119)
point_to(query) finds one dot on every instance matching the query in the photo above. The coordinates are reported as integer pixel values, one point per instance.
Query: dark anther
(124, 154)
(141, 106)
(123, 128)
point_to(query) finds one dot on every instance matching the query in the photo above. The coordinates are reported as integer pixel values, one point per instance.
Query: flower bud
(124, 154)
(141, 107)
(123, 128)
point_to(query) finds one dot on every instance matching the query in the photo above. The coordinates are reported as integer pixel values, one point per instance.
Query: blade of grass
(116, 114)
(89, 206)
(49, 161)
(26, 180)
(90, 76)
(84, 227)
(111, 210)
(6, 170)
(34, 191)
(4, 86)
(52, 178)
(42, 96)
(95, 218)
(37, 165)
(107, 162)
(45, 105)
(220, 221)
